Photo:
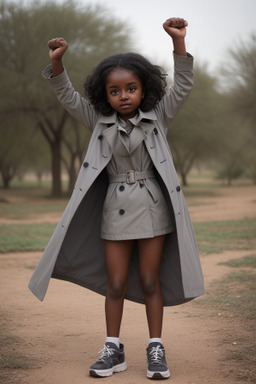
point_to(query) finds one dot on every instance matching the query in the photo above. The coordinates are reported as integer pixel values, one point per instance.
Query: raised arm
(176, 95)
(71, 100)
(58, 47)
(176, 28)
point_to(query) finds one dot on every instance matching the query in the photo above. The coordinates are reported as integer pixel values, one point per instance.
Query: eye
(132, 89)
(114, 92)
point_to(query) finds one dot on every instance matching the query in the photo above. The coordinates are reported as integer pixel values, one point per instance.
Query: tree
(238, 82)
(22, 148)
(193, 134)
(238, 76)
(75, 143)
(24, 32)
(12, 144)
(229, 156)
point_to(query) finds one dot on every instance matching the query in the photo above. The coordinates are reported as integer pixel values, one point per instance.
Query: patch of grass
(30, 266)
(29, 184)
(234, 297)
(244, 361)
(199, 203)
(10, 358)
(218, 236)
(3, 200)
(190, 192)
(32, 184)
(21, 211)
(24, 237)
(247, 261)
(240, 277)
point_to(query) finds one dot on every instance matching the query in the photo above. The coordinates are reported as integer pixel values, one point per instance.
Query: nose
(124, 95)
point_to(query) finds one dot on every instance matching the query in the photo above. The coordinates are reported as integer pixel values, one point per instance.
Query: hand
(175, 27)
(58, 47)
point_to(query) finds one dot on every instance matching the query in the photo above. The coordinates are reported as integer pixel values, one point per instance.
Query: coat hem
(137, 236)
(102, 292)
(37, 291)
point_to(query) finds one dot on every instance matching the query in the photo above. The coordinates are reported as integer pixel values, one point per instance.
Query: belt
(131, 176)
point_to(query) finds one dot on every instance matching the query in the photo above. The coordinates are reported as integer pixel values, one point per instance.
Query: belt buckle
(131, 176)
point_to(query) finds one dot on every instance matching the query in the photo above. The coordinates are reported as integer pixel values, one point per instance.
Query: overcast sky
(214, 25)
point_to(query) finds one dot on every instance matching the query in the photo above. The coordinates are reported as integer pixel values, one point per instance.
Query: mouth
(125, 105)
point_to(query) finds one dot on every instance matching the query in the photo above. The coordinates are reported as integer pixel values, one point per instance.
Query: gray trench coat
(75, 251)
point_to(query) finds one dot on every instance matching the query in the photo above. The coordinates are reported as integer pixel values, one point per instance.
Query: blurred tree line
(36, 133)
(216, 126)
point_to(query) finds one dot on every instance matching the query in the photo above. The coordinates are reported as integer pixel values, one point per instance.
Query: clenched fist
(175, 27)
(58, 47)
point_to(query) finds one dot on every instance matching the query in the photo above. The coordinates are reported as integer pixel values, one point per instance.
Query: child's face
(124, 92)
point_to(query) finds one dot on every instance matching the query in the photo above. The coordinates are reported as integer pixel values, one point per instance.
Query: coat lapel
(110, 134)
(140, 133)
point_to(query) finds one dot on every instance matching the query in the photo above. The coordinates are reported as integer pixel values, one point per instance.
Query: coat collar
(112, 119)
(143, 126)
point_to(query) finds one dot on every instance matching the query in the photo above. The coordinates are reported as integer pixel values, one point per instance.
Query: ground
(60, 337)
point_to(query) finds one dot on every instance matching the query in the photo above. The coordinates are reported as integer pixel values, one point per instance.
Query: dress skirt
(133, 210)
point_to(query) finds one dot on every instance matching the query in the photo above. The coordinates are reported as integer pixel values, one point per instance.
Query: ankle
(114, 340)
(155, 340)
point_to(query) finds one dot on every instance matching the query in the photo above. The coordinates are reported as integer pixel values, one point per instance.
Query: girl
(126, 232)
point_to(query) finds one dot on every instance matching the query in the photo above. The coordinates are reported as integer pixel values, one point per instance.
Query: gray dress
(136, 210)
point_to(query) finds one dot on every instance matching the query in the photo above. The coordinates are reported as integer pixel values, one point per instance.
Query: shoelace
(156, 355)
(106, 352)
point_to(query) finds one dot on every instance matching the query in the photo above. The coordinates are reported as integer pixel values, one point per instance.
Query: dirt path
(61, 336)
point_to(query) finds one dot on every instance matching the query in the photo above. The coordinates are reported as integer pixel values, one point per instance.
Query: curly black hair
(151, 76)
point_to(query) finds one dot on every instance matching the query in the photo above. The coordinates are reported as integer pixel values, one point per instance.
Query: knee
(150, 286)
(116, 289)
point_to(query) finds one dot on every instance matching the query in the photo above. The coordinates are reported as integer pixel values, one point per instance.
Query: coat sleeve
(72, 101)
(177, 94)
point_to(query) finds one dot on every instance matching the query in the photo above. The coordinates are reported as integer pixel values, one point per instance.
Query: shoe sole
(158, 375)
(108, 372)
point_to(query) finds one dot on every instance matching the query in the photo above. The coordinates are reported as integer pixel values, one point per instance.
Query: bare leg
(118, 254)
(150, 255)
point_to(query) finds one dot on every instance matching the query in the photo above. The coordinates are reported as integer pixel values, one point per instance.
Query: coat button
(178, 188)
(121, 188)
(86, 165)
(121, 212)
(155, 131)
(100, 137)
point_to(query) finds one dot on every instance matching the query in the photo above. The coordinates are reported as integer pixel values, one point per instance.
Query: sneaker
(157, 367)
(112, 360)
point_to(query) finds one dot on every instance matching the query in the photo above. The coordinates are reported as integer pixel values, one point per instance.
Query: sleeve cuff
(182, 63)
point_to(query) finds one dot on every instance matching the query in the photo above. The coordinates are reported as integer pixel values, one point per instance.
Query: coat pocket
(110, 195)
